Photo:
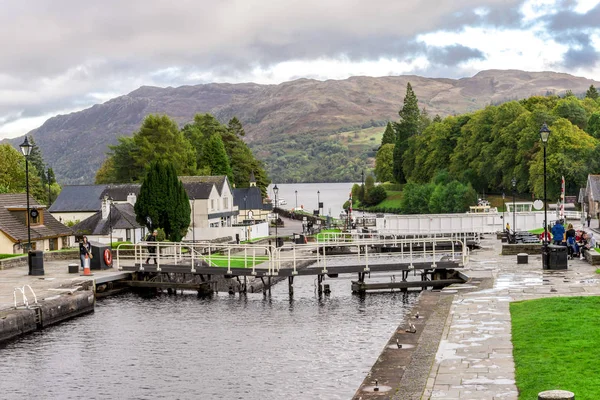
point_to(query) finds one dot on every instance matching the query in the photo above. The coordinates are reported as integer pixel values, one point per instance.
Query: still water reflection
(227, 347)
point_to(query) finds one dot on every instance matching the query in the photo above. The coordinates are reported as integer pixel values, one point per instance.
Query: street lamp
(503, 207)
(544, 135)
(362, 188)
(109, 201)
(296, 192)
(26, 150)
(276, 191)
(319, 201)
(513, 181)
(49, 200)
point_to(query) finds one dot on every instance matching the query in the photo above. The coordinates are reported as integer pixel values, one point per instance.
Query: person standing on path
(152, 249)
(589, 218)
(85, 251)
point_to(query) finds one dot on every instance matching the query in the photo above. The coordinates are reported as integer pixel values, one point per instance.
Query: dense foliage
(203, 147)
(12, 174)
(439, 196)
(487, 148)
(163, 202)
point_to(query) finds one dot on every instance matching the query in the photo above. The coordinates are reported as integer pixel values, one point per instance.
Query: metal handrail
(25, 301)
(289, 255)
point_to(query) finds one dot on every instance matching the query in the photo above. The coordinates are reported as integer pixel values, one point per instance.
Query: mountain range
(75, 145)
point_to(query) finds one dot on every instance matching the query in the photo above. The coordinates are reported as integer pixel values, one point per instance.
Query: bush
(375, 196)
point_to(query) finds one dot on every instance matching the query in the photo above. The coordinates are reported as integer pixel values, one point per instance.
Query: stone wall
(512, 249)
(21, 261)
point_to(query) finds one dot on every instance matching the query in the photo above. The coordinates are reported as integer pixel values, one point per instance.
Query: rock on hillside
(75, 144)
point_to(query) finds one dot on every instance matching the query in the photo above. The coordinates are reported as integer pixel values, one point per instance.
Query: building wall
(65, 217)
(6, 245)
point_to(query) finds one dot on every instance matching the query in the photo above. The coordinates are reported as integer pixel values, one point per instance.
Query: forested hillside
(304, 131)
(487, 148)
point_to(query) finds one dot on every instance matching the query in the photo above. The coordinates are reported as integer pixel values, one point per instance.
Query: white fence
(461, 223)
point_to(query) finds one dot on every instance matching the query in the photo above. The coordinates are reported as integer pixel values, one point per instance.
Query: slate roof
(78, 198)
(253, 199)
(15, 227)
(88, 198)
(594, 186)
(123, 217)
(218, 180)
(198, 190)
(119, 192)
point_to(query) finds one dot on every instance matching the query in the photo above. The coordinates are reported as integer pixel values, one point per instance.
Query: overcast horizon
(65, 56)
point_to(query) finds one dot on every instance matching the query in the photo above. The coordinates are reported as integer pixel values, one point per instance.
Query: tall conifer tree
(405, 128)
(163, 202)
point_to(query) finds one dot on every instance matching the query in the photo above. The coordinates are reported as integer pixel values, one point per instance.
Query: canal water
(332, 195)
(226, 347)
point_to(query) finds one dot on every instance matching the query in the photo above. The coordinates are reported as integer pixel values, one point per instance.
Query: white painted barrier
(461, 223)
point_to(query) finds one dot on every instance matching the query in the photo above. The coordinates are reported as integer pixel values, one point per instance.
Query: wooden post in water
(291, 284)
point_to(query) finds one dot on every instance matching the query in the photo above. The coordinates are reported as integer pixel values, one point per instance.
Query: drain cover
(375, 389)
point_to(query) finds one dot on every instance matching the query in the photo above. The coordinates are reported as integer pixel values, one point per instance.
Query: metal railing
(337, 250)
(25, 300)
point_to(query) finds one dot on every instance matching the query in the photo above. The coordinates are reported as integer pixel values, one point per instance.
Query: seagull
(417, 315)
(411, 329)
(398, 344)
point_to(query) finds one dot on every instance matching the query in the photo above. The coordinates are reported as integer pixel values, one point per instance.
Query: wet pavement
(474, 358)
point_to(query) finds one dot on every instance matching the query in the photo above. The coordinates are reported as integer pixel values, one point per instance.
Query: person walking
(588, 218)
(152, 249)
(85, 251)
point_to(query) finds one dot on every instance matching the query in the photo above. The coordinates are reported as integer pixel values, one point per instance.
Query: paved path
(56, 277)
(474, 359)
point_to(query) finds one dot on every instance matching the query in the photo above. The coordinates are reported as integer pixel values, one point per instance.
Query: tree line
(487, 148)
(42, 182)
(202, 147)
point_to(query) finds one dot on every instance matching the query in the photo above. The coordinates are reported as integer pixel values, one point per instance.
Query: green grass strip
(556, 344)
(236, 262)
(3, 256)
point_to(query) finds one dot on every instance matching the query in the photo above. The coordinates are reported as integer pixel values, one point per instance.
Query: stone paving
(474, 359)
(55, 280)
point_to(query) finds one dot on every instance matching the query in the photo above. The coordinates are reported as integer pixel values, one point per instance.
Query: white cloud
(90, 52)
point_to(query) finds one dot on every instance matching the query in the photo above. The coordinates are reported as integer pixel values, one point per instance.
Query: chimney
(105, 205)
(131, 198)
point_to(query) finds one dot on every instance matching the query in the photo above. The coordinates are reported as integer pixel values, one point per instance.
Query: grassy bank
(555, 346)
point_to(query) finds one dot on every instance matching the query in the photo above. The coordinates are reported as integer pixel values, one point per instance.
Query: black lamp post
(296, 192)
(276, 191)
(513, 181)
(49, 200)
(109, 201)
(503, 207)
(362, 188)
(319, 201)
(26, 150)
(544, 135)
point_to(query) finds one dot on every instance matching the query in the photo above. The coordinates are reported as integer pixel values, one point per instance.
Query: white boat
(281, 202)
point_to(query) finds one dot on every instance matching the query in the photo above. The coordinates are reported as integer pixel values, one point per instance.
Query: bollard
(556, 395)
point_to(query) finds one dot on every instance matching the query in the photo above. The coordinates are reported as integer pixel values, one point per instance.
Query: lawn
(236, 262)
(556, 346)
(3, 256)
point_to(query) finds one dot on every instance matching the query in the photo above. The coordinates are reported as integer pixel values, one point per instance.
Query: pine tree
(235, 126)
(389, 136)
(163, 202)
(592, 93)
(409, 124)
(36, 159)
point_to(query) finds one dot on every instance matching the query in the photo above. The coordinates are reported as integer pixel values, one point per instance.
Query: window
(212, 204)
(225, 203)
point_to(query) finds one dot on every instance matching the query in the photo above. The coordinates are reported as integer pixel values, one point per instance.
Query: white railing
(25, 300)
(338, 250)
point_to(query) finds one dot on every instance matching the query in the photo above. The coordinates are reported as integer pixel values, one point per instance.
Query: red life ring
(107, 257)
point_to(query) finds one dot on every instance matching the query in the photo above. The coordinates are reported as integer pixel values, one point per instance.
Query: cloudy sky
(60, 56)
